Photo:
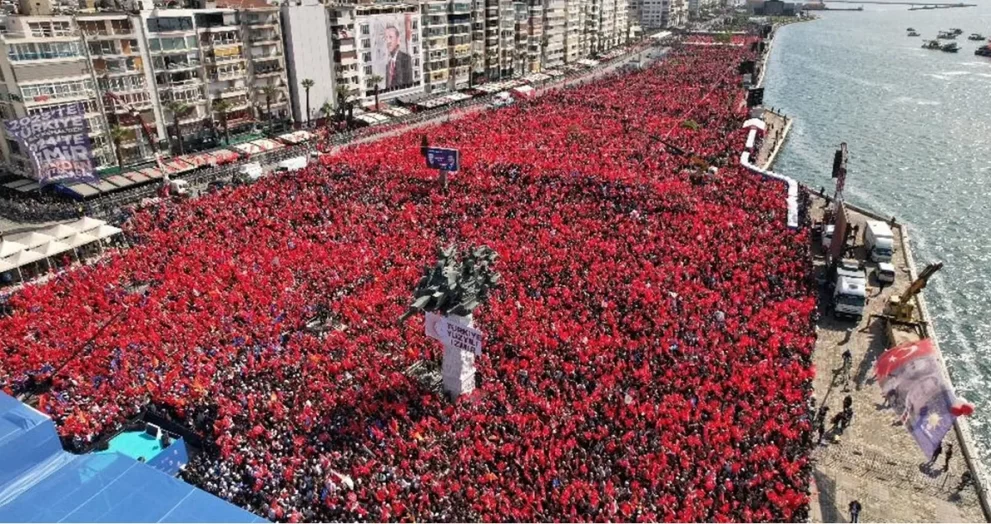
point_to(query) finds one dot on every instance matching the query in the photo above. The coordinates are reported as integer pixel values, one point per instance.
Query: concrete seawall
(961, 427)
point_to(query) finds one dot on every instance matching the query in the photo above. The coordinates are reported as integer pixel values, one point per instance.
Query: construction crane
(901, 309)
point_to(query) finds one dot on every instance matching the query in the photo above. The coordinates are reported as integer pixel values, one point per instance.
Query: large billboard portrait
(392, 50)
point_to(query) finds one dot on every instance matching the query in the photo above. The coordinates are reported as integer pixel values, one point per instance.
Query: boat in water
(952, 47)
(911, 29)
(931, 44)
(946, 35)
(956, 31)
(977, 37)
(913, 33)
(984, 50)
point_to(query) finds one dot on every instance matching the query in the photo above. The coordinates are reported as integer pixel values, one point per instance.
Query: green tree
(270, 92)
(222, 108)
(117, 136)
(375, 79)
(345, 100)
(327, 110)
(178, 109)
(307, 84)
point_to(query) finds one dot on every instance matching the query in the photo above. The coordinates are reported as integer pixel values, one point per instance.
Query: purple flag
(57, 140)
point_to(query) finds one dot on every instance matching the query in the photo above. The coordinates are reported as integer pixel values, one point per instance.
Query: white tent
(5, 267)
(53, 248)
(756, 122)
(31, 240)
(23, 258)
(105, 231)
(60, 231)
(80, 239)
(8, 248)
(86, 224)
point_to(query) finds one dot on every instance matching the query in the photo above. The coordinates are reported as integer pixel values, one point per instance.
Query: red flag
(898, 356)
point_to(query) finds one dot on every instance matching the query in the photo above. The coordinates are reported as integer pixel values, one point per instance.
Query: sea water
(918, 127)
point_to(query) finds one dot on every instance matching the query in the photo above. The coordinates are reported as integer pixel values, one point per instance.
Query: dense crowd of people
(647, 356)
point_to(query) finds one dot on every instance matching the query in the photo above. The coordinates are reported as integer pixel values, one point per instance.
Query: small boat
(977, 37)
(931, 44)
(946, 35)
(911, 29)
(952, 47)
(956, 31)
(913, 33)
(984, 50)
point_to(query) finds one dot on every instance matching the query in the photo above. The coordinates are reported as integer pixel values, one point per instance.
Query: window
(365, 30)
(43, 29)
(42, 92)
(89, 105)
(368, 70)
(366, 57)
(43, 50)
(167, 24)
(366, 43)
(104, 47)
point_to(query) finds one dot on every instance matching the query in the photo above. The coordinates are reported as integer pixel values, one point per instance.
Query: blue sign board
(57, 140)
(443, 158)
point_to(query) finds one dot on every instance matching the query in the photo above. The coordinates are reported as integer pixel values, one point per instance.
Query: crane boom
(920, 283)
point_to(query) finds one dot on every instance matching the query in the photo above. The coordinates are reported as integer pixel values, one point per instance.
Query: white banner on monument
(451, 333)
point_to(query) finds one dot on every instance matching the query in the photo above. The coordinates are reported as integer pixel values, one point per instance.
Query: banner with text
(58, 142)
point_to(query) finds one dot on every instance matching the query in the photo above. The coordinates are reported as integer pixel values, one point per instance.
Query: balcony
(109, 35)
(229, 75)
(232, 92)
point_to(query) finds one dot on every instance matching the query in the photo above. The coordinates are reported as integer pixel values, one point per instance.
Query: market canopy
(17, 183)
(83, 190)
(31, 240)
(60, 231)
(247, 148)
(105, 231)
(178, 166)
(151, 172)
(225, 156)
(266, 144)
(202, 159)
(79, 240)
(28, 187)
(52, 248)
(297, 137)
(23, 258)
(5, 267)
(120, 181)
(8, 248)
(137, 177)
(86, 224)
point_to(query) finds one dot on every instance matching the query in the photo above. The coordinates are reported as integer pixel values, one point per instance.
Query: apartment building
(310, 56)
(656, 14)
(262, 30)
(391, 50)
(44, 65)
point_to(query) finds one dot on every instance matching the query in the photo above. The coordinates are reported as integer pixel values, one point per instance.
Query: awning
(60, 231)
(137, 177)
(225, 156)
(8, 248)
(28, 187)
(4, 267)
(23, 258)
(756, 122)
(151, 172)
(80, 239)
(86, 224)
(267, 145)
(52, 248)
(83, 190)
(17, 183)
(105, 231)
(178, 166)
(31, 240)
(297, 137)
(247, 148)
(202, 159)
(120, 181)
(105, 186)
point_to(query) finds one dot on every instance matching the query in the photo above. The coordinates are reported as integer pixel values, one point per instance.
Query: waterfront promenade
(875, 461)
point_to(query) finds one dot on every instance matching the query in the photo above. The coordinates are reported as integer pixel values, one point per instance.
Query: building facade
(310, 57)
(657, 14)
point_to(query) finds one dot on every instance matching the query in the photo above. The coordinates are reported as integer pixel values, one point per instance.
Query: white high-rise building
(309, 56)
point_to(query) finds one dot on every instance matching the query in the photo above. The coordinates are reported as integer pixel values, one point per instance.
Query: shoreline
(961, 426)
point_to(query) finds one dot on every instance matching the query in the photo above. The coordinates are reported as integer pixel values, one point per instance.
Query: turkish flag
(898, 356)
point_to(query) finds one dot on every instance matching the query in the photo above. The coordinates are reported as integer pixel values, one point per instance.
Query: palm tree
(307, 84)
(344, 99)
(222, 108)
(117, 136)
(270, 92)
(375, 79)
(178, 110)
(327, 110)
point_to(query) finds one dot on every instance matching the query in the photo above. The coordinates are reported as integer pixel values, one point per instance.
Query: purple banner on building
(58, 142)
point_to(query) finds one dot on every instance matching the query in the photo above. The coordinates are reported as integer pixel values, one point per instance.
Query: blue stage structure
(40, 482)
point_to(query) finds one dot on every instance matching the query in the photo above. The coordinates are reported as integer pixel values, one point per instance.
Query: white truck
(849, 290)
(879, 241)
(291, 164)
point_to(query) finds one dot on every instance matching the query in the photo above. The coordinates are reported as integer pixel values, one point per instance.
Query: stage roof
(39, 482)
